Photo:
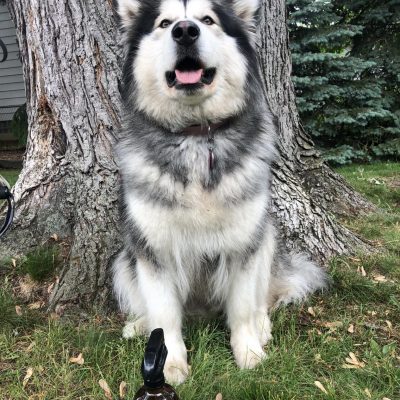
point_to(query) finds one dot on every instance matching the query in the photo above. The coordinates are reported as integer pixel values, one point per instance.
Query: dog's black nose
(185, 33)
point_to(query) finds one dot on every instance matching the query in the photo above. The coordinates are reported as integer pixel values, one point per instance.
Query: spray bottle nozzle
(154, 360)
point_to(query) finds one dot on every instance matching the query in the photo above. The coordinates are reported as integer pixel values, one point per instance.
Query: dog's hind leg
(128, 295)
(164, 310)
(243, 312)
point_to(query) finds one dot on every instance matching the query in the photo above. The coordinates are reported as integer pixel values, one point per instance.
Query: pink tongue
(188, 77)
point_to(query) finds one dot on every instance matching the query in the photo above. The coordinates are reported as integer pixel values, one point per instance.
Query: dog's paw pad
(176, 371)
(134, 328)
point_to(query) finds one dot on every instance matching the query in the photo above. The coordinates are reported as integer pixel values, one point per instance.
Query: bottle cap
(154, 360)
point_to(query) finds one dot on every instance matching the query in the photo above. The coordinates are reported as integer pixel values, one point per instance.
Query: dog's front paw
(134, 328)
(176, 370)
(248, 353)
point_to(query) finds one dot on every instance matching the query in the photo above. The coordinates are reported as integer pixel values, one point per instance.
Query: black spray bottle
(152, 370)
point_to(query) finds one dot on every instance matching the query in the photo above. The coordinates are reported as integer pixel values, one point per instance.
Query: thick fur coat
(198, 236)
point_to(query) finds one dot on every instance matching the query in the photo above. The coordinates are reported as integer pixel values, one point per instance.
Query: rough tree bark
(69, 183)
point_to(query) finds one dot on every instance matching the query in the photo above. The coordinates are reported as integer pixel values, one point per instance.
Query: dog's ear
(127, 10)
(246, 9)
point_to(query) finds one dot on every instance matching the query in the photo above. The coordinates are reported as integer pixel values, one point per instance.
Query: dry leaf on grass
(389, 324)
(386, 398)
(379, 278)
(320, 386)
(350, 329)
(30, 347)
(218, 396)
(54, 237)
(122, 389)
(14, 262)
(107, 391)
(77, 360)
(361, 271)
(311, 311)
(50, 288)
(28, 375)
(353, 362)
(332, 325)
(18, 310)
(37, 305)
(368, 393)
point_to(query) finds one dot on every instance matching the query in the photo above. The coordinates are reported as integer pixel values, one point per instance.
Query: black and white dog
(195, 153)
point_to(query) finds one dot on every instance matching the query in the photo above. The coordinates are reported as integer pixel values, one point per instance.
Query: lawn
(10, 175)
(342, 344)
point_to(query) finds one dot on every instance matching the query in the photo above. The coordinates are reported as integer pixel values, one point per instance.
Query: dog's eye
(165, 23)
(207, 20)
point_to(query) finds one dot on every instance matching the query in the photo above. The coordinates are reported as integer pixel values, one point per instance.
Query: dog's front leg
(242, 310)
(164, 310)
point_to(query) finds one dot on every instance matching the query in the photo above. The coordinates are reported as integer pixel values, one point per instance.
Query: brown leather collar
(202, 130)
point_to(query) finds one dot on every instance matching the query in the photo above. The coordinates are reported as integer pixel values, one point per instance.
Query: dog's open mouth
(190, 73)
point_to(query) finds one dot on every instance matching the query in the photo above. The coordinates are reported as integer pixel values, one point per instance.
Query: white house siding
(12, 91)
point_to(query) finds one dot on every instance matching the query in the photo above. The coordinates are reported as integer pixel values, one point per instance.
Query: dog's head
(188, 61)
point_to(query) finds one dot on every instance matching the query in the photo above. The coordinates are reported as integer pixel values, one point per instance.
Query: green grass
(365, 295)
(10, 175)
(41, 263)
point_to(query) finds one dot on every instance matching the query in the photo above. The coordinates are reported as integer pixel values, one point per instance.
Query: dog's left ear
(127, 10)
(246, 9)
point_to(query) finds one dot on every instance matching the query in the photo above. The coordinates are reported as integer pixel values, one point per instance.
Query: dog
(195, 153)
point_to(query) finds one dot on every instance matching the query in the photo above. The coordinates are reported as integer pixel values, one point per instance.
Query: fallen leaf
(320, 386)
(107, 392)
(218, 396)
(353, 362)
(77, 360)
(361, 271)
(14, 262)
(332, 325)
(36, 306)
(379, 278)
(50, 288)
(389, 324)
(318, 357)
(350, 329)
(368, 393)
(28, 375)
(54, 237)
(30, 347)
(311, 311)
(18, 310)
(386, 398)
(122, 390)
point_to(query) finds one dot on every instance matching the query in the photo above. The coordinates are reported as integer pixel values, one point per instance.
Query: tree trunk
(69, 182)
(307, 194)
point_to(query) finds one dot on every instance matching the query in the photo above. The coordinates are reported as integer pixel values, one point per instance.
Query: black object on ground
(5, 194)
(153, 370)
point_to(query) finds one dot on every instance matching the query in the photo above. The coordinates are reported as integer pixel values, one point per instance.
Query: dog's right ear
(127, 10)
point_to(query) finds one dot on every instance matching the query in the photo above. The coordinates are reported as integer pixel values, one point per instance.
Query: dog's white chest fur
(200, 223)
